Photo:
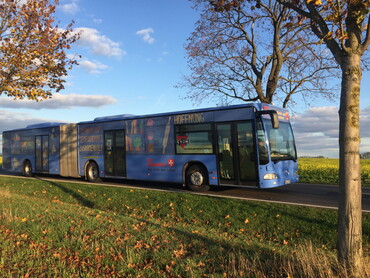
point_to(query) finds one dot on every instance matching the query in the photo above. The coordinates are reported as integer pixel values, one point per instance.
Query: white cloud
(98, 44)
(145, 34)
(11, 120)
(365, 123)
(323, 120)
(70, 8)
(92, 67)
(366, 110)
(317, 131)
(97, 20)
(59, 101)
(18, 2)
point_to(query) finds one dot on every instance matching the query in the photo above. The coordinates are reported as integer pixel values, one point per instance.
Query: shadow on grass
(78, 197)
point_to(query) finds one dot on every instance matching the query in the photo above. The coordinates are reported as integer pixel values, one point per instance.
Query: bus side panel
(17, 147)
(167, 168)
(54, 150)
(83, 161)
(17, 162)
(6, 151)
(90, 146)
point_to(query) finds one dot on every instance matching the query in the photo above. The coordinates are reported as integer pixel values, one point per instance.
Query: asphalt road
(316, 195)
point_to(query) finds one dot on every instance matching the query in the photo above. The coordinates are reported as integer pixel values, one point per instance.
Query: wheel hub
(196, 178)
(93, 172)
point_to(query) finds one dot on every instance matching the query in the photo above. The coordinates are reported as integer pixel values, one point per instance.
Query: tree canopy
(33, 58)
(252, 51)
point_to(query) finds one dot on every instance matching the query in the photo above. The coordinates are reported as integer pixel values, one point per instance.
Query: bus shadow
(78, 197)
(167, 185)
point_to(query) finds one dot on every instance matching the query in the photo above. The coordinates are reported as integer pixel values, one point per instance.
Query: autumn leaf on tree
(33, 49)
(315, 2)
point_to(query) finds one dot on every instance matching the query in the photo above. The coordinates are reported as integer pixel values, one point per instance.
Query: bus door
(236, 153)
(42, 153)
(115, 153)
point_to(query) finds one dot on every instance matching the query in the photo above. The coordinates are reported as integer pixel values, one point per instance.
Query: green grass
(326, 170)
(55, 229)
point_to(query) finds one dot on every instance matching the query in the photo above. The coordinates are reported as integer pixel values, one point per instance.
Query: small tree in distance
(33, 59)
(366, 155)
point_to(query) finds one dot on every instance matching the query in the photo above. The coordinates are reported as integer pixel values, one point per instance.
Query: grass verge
(60, 229)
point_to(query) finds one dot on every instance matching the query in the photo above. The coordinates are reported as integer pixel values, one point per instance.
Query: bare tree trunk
(350, 251)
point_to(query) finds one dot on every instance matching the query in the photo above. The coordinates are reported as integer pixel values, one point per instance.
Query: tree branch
(366, 42)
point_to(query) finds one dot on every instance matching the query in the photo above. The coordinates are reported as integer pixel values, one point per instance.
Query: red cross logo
(171, 162)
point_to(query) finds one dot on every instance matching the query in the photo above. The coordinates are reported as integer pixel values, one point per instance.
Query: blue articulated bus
(240, 145)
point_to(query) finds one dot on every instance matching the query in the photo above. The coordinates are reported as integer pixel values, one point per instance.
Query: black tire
(92, 172)
(197, 179)
(27, 169)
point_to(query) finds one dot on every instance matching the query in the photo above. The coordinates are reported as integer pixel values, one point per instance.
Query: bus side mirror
(273, 115)
(274, 119)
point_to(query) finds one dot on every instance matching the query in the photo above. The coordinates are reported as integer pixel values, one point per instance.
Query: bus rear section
(48, 148)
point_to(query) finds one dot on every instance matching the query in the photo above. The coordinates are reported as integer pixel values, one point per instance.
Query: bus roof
(40, 125)
(258, 106)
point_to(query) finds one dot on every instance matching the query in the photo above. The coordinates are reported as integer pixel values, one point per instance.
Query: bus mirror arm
(273, 115)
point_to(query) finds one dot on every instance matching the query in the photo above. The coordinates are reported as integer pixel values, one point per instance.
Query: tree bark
(350, 252)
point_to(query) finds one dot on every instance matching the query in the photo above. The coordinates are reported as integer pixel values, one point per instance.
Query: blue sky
(132, 57)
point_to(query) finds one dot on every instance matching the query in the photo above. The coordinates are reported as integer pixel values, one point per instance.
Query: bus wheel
(196, 178)
(92, 172)
(27, 169)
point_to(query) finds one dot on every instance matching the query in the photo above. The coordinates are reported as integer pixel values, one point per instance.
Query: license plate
(288, 181)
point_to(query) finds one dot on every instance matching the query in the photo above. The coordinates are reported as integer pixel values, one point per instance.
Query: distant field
(326, 170)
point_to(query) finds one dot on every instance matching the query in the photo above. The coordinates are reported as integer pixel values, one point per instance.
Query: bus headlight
(270, 176)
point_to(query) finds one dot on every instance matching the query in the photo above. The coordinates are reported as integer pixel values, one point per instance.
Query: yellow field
(326, 170)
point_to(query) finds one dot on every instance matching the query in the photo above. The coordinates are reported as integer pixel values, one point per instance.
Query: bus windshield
(281, 141)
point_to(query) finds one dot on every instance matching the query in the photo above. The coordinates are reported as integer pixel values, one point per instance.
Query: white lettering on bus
(188, 118)
(90, 148)
(91, 139)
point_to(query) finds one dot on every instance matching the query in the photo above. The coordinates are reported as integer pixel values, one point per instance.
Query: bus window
(226, 154)
(194, 139)
(247, 163)
(281, 142)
